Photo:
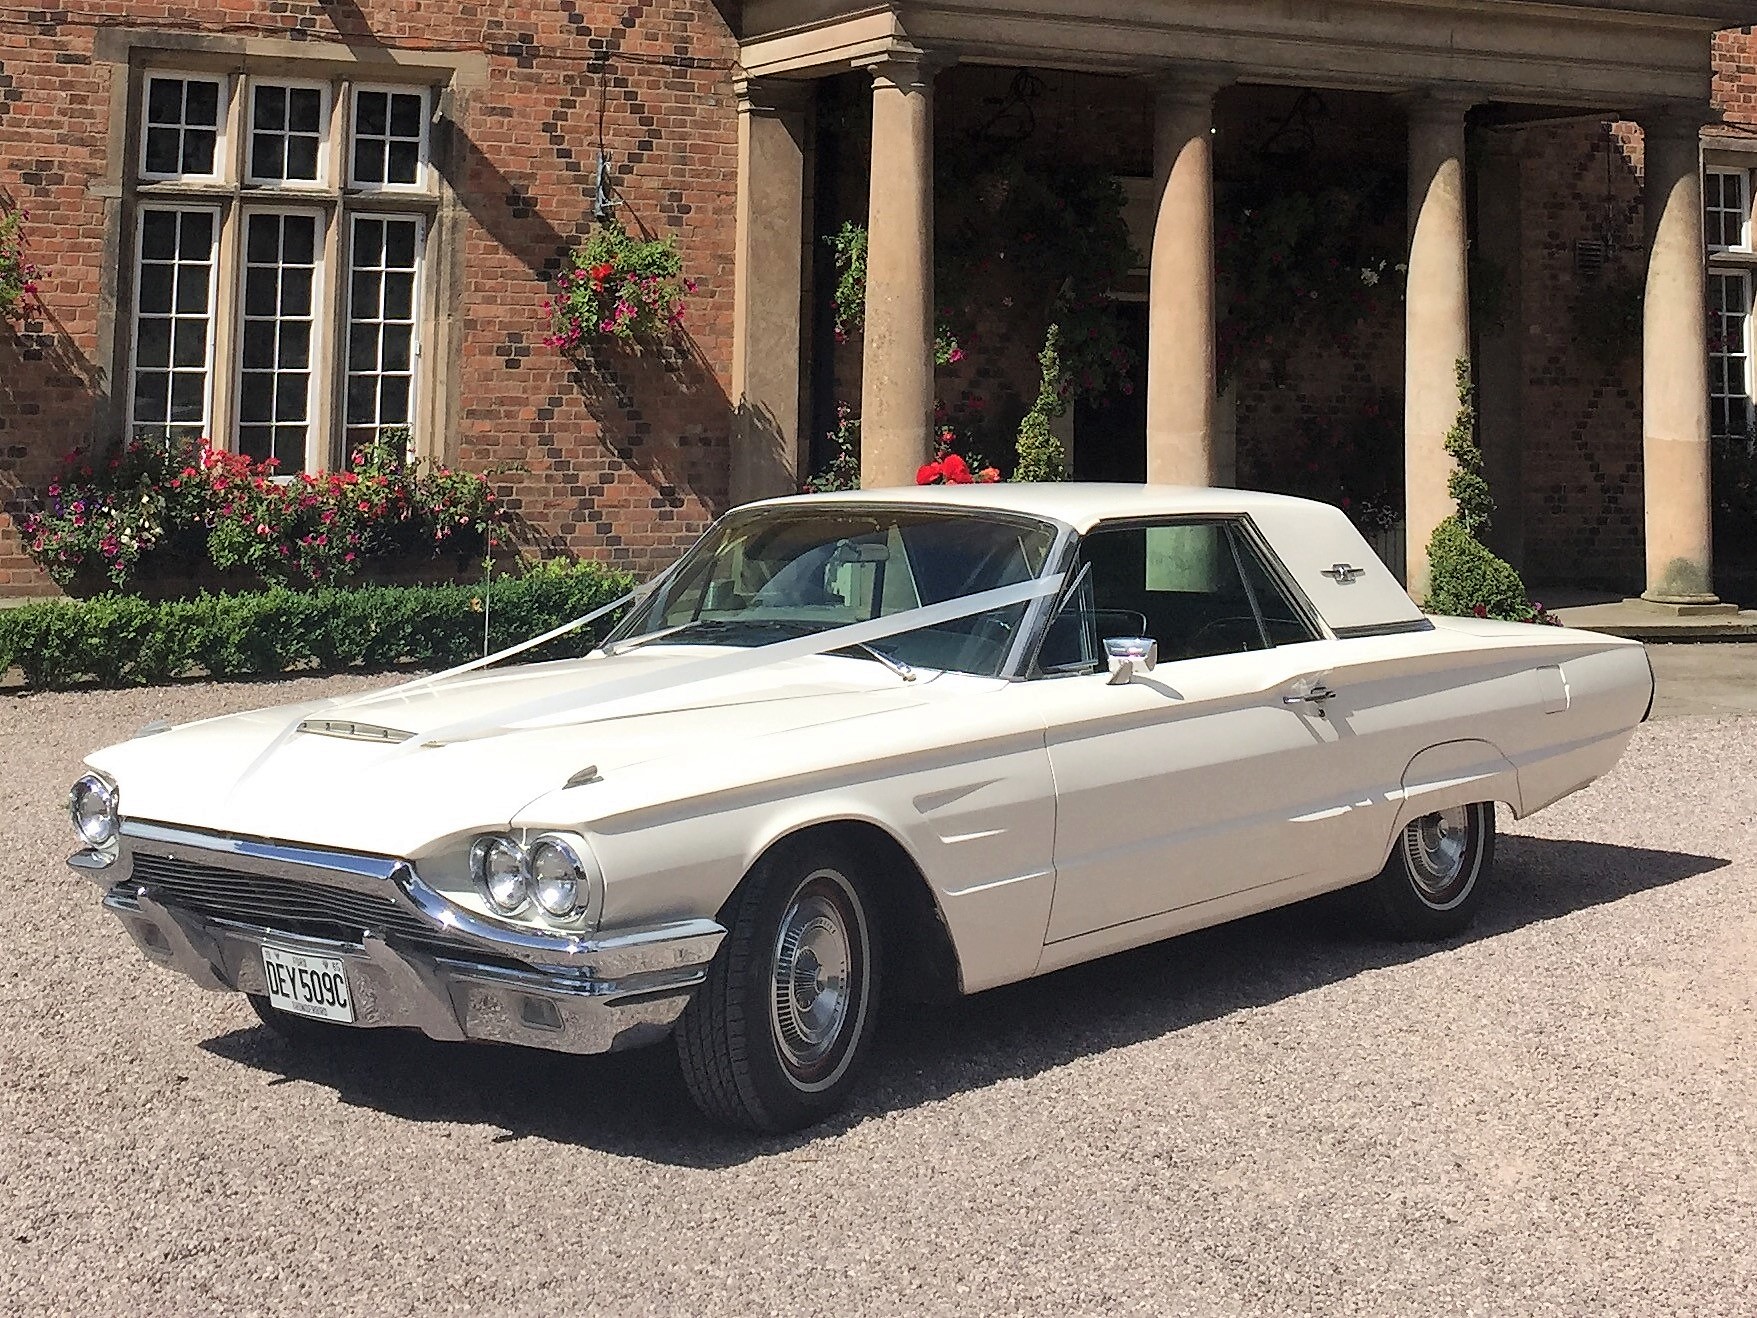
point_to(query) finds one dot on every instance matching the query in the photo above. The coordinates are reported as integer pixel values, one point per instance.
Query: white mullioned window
(384, 263)
(276, 310)
(172, 364)
(1727, 229)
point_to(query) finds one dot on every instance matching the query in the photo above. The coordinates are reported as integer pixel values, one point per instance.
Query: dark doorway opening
(1110, 432)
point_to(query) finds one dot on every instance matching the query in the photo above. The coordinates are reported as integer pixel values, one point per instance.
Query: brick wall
(624, 461)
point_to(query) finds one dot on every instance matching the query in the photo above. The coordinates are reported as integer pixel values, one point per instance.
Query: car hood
(259, 775)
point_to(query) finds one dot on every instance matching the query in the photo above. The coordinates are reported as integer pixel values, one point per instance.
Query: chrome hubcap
(1436, 845)
(810, 991)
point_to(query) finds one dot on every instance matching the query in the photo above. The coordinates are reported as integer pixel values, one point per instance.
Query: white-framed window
(278, 306)
(172, 366)
(384, 269)
(387, 149)
(183, 126)
(275, 310)
(289, 133)
(1729, 353)
(1726, 205)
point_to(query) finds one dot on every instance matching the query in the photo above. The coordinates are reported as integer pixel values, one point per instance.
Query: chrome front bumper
(415, 959)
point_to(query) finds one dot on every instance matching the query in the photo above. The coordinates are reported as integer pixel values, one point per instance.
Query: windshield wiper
(897, 666)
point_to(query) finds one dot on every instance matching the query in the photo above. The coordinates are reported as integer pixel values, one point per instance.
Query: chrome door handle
(1316, 696)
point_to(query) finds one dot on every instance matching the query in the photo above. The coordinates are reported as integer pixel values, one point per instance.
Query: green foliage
(18, 277)
(849, 244)
(1464, 576)
(843, 473)
(1041, 456)
(1296, 261)
(123, 640)
(618, 285)
(1469, 491)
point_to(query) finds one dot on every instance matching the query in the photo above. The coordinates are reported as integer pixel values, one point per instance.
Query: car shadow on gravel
(632, 1104)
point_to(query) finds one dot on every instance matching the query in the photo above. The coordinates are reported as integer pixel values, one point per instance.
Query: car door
(1220, 770)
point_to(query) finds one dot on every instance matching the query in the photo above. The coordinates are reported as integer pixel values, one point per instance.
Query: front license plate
(307, 985)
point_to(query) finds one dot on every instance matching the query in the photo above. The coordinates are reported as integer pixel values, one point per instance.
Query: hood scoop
(349, 730)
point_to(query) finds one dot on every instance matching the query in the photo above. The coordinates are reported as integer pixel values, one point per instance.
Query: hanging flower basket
(618, 286)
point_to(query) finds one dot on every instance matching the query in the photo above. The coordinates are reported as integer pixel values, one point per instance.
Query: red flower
(601, 272)
(988, 476)
(957, 471)
(1480, 610)
(931, 474)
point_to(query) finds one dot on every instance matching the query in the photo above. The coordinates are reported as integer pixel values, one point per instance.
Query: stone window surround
(449, 79)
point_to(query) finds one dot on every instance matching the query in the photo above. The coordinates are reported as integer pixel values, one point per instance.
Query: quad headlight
(94, 809)
(555, 872)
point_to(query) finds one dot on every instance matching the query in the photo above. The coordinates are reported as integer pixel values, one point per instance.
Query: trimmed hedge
(1466, 576)
(123, 640)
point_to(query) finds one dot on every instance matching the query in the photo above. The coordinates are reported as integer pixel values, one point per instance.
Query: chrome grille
(288, 905)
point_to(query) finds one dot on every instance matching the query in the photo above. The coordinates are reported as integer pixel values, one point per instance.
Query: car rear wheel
(1433, 883)
(774, 1038)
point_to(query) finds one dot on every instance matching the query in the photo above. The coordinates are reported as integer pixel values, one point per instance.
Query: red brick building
(290, 223)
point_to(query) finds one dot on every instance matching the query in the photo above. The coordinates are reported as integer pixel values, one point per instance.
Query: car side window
(1283, 620)
(1179, 583)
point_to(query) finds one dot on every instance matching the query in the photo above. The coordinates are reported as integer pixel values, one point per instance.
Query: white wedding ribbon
(564, 706)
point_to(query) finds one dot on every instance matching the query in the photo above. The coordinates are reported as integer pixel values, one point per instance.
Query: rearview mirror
(1128, 655)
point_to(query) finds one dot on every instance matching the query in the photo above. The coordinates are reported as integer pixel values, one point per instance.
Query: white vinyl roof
(1311, 539)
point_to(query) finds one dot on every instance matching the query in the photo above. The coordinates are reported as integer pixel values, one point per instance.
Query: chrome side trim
(1384, 629)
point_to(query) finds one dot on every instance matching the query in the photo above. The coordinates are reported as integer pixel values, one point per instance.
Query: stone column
(1436, 320)
(1180, 308)
(1674, 379)
(896, 388)
(768, 288)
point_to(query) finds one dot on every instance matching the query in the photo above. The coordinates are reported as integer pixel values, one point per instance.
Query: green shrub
(1466, 576)
(122, 640)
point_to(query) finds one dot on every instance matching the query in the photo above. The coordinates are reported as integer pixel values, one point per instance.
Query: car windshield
(767, 574)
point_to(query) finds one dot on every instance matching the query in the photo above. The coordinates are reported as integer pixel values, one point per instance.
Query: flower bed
(186, 510)
(123, 640)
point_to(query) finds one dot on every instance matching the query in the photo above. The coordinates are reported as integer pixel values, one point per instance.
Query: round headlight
(92, 806)
(558, 879)
(498, 864)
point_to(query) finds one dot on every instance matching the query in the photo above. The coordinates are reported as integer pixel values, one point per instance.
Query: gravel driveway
(1557, 1115)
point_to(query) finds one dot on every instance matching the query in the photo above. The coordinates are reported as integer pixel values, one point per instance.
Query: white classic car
(854, 746)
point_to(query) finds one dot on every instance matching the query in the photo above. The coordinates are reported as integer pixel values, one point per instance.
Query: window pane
(163, 150)
(399, 292)
(369, 160)
(188, 395)
(198, 236)
(298, 239)
(256, 442)
(198, 151)
(296, 292)
(155, 342)
(295, 345)
(152, 391)
(270, 107)
(158, 236)
(362, 400)
(201, 104)
(402, 162)
(259, 344)
(262, 242)
(362, 348)
(364, 302)
(399, 246)
(304, 107)
(260, 292)
(164, 100)
(393, 400)
(268, 157)
(155, 289)
(396, 347)
(191, 289)
(191, 340)
(256, 396)
(301, 160)
(290, 392)
(405, 116)
(371, 113)
(368, 243)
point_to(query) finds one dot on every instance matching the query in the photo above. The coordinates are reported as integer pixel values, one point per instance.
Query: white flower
(1370, 278)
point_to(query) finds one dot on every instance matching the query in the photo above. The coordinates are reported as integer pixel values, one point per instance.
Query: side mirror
(1128, 655)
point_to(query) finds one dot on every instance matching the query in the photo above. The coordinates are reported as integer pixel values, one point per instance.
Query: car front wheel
(1433, 883)
(773, 1039)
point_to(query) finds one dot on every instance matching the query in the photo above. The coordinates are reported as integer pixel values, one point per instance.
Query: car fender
(1454, 773)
